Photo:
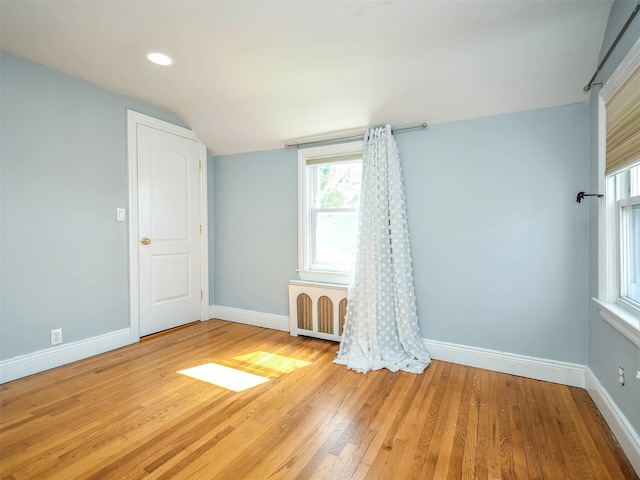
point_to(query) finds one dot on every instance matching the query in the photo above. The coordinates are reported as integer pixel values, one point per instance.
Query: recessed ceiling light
(160, 58)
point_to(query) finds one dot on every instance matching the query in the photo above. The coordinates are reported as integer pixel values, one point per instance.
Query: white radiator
(317, 309)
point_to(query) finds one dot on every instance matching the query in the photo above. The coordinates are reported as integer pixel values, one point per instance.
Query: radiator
(317, 309)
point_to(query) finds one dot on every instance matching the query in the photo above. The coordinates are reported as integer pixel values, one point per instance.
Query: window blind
(349, 157)
(623, 125)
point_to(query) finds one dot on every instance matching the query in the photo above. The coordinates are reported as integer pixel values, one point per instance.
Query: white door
(169, 229)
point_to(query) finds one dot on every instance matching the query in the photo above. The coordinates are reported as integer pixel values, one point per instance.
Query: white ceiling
(253, 75)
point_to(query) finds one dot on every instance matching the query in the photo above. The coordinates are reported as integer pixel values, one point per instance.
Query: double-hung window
(329, 180)
(619, 214)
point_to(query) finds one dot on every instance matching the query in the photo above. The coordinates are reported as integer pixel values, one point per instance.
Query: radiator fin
(343, 314)
(325, 315)
(305, 309)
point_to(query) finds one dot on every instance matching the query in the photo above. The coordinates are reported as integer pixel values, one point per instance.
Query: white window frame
(623, 315)
(306, 270)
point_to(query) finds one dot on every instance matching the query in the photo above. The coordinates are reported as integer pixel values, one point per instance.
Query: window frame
(619, 312)
(306, 268)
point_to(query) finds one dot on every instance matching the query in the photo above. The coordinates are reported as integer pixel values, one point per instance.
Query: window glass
(333, 214)
(630, 252)
(627, 194)
(338, 185)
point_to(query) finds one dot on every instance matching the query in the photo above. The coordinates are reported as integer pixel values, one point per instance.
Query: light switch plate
(120, 214)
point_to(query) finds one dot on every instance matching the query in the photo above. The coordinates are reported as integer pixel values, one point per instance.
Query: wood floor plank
(425, 417)
(539, 424)
(507, 434)
(264, 417)
(487, 458)
(309, 448)
(439, 423)
(604, 455)
(470, 435)
(131, 414)
(312, 419)
(578, 439)
(351, 457)
(393, 443)
(387, 417)
(345, 464)
(358, 430)
(448, 450)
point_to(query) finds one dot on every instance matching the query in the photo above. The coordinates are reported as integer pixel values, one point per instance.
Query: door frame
(133, 120)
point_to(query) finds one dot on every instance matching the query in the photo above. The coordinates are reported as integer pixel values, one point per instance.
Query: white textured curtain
(381, 326)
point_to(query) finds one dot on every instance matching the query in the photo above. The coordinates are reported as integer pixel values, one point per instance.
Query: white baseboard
(249, 317)
(531, 367)
(24, 365)
(627, 437)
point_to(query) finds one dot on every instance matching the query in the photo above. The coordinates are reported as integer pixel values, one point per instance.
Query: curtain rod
(588, 86)
(352, 137)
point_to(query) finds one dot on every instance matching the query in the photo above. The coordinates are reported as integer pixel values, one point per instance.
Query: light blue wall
(63, 174)
(499, 243)
(256, 238)
(607, 348)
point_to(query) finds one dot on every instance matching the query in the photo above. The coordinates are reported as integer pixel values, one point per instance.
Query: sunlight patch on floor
(225, 377)
(273, 361)
(238, 380)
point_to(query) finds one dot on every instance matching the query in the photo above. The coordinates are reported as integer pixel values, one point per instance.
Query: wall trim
(521, 365)
(249, 317)
(24, 365)
(627, 437)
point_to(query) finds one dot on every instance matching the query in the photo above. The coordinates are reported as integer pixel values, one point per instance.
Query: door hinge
(199, 164)
(200, 229)
(201, 294)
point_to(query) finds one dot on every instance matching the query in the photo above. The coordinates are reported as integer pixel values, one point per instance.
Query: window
(619, 211)
(329, 193)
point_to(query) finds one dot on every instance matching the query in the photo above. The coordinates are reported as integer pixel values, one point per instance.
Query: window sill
(623, 319)
(339, 278)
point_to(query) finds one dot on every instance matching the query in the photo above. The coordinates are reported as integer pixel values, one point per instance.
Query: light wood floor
(130, 414)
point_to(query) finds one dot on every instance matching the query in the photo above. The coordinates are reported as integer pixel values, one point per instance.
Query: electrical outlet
(56, 336)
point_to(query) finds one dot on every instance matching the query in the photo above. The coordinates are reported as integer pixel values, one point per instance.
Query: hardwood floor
(130, 414)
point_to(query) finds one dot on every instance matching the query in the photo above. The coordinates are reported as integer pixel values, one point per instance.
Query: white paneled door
(169, 229)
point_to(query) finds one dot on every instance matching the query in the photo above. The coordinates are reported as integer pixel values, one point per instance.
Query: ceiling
(254, 75)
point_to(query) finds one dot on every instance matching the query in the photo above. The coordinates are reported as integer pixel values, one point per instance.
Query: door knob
(145, 241)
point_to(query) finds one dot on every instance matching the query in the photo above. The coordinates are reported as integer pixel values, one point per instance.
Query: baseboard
(531, 367)
(24, 365)
(249, 317)
(627, 437)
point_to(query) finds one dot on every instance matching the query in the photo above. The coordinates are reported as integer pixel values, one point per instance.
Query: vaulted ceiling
(253, 75)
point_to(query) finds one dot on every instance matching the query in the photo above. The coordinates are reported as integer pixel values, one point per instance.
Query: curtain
(381, 325)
